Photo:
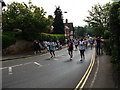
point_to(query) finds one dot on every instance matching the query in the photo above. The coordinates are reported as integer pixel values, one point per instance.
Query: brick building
(69, 29)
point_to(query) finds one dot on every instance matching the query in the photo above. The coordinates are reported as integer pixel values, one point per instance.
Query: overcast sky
(77, 10)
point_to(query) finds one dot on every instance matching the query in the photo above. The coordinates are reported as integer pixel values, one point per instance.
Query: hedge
(8, 39)
(45, 36)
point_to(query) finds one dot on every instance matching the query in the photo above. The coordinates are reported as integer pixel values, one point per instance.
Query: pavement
(23, 55)
(103, 75)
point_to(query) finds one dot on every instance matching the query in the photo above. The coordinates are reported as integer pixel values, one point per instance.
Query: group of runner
(80, 44)
(83, 44)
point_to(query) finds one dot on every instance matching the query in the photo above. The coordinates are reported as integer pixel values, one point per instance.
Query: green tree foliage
(98, 18)
(80, 31)
(83, 31)
(45, 36)
(29, 19)
(58, 25)
(8, 39)
(115, 31)
(115, 18)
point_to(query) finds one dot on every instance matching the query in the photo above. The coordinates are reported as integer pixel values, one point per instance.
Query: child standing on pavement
(70, 48)
(82, 49)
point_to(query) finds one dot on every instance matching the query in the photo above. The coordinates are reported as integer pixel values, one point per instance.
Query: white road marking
(10, 70)
(22, 64)
(16, 65)
(4, 68)
(95, 75)
(37, 63)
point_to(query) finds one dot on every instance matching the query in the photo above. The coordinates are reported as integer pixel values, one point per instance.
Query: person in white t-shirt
(76, 43)
(82, 49)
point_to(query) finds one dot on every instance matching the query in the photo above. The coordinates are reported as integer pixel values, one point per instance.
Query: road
(42, 72)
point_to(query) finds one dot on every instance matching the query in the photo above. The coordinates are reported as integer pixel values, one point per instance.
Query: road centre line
(3, 68)
(16, 65)
(22, 64)
(85, 76)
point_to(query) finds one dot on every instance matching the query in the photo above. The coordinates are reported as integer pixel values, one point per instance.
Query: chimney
(66, 20)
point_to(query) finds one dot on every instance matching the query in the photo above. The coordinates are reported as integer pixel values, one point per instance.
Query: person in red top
(70, 48)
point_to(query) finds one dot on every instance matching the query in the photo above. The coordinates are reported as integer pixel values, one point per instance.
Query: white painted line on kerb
(93, 81)
(10, 70)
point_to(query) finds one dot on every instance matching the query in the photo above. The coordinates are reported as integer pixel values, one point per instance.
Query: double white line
(87, 73)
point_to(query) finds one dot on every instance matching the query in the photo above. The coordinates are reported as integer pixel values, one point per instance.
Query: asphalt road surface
(43, 72)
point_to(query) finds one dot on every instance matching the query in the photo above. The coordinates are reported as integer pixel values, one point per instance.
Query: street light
(2, 3)
(65, 12)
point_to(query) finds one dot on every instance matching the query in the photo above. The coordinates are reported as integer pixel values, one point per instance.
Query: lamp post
(65, 12)
(1, 5)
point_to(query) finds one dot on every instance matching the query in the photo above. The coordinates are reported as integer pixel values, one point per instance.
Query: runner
(70, 48)
(98, 45)
(102, 44)
(76, 43)
(91, 41)
(82, 49)
(86, 42)
(52, 48)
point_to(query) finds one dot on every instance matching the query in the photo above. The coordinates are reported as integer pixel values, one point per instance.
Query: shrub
(107, 46)
(8, 39)
(44, 36)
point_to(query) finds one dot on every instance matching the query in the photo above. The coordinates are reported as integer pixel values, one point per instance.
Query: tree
(115, 18)
(115, 30)
(83, 31)
(58, 25)
(99, 18)
(30, 19)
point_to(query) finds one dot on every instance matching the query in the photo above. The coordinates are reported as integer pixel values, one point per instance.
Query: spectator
(98, 41)
(35, 46)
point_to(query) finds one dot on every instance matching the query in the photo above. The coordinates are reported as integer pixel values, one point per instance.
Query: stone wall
(18, 47)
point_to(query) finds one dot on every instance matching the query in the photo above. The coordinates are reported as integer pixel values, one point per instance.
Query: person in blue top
(91, 41)
(52, 48)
